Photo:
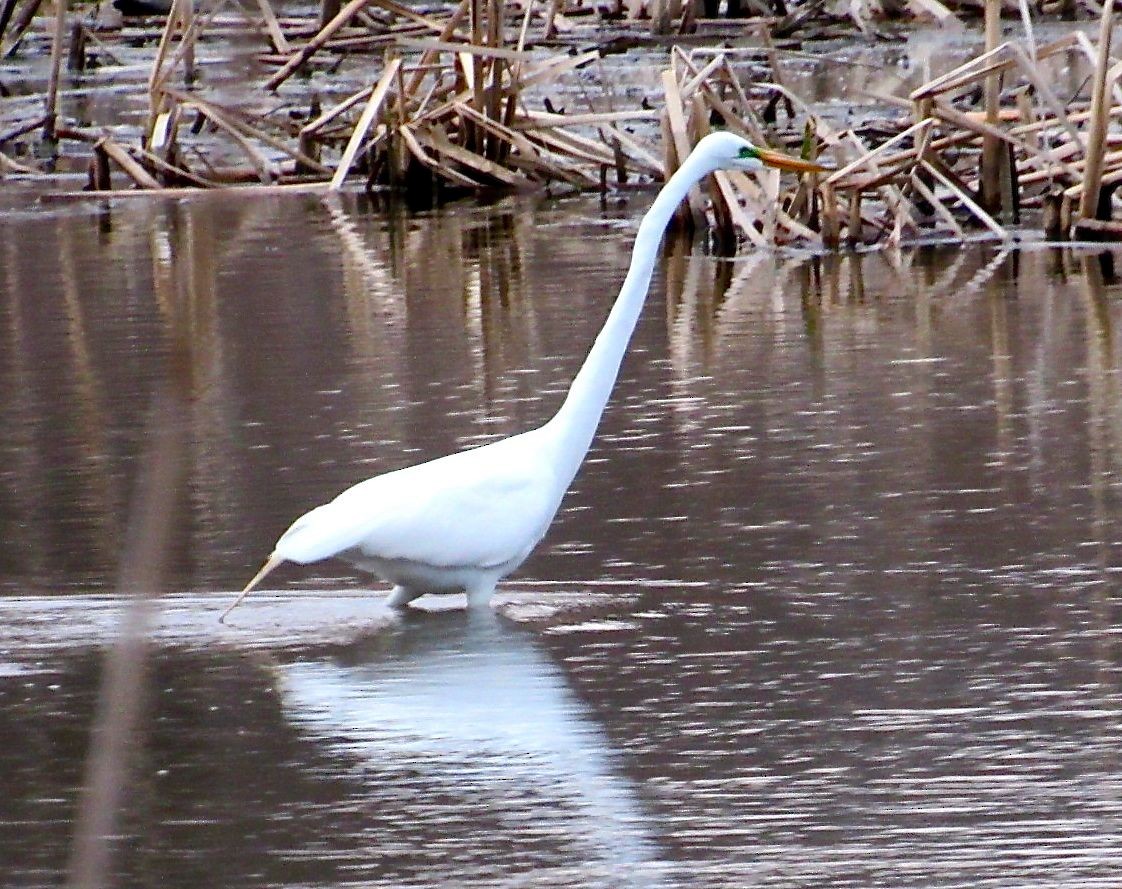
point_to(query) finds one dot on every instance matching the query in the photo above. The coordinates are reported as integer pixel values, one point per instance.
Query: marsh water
(832, 603)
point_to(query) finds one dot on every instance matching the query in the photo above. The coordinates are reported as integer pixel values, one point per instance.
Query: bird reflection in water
(466, 734)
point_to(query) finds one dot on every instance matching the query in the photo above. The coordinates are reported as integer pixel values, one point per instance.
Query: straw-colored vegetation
(459, 100)
(957, 166)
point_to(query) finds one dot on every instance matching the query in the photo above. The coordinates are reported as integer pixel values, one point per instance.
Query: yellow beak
(786, 162)
(274, 560)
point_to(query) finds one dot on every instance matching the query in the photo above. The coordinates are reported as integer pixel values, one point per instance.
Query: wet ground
(833, 602)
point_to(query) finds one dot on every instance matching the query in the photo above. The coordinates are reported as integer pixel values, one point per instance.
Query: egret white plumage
(462, 522)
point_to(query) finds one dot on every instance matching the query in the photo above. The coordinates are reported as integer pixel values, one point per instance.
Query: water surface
(832, 602)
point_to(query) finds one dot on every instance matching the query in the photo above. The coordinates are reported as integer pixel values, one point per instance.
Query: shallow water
(832, 602)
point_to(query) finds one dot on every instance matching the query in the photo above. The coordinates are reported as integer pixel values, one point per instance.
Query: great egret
(461, 522)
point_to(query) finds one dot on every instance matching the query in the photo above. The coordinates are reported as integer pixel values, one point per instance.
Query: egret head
(727, 151)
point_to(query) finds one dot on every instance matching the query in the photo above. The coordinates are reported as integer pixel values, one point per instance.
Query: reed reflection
(861, 511)
(1103, 402)
(465, 706)
(405, 276)
(938, 376)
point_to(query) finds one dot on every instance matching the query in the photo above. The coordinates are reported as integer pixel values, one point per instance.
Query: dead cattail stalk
(99, 170)
(313, 127)
(76, 51)
(641, 157)
(22, 129)
(121, 158)
(57, 49)
(1096, 136)
(937, 205)
(8, 165)
(830, 226)
(233, 120)
(493, 88)
(365, 121)
(171, 172)
(273, 28)
(190, 35)
(837, 179)
(6, 10)
(181, 16)
(853, 225)
(728, 197)
(990, 194)
(410, 137)
(22, 23)
(677, 123)
(316, 43)
(1052, 207)
(1091, 53)
(429, 56)
(545, 120)
(441, 144)
(266, 171)
(255, 191)
(969, 73)
(967, 201)
(549, 30)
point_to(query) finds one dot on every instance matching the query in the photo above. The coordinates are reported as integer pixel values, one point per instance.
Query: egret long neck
(574, 425)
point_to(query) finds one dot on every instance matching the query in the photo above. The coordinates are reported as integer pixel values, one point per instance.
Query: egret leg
(480, 594)
(400, 596)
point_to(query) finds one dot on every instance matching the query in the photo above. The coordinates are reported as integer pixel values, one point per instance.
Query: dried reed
(455, 104)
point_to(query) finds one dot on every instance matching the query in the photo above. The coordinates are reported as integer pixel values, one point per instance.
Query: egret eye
(747, 153)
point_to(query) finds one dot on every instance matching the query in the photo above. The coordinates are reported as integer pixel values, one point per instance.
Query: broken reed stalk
(187, 20)
(676, 123)
(273, 28)
(365, 121)
(122, 159)
(1096, 136)
(58, 42)
(549, 29)
(159, 132)
(493, 91)
(315, 44)
(968, 73)
(430, 55)
(257, 191)
(161, 67)
(326, 117)
(266, 172)
(23, 129)
(22, 24)
(457, 109)
(473, 72)
(238, 121)
(990, 196)
(7, 165)
(9, 6)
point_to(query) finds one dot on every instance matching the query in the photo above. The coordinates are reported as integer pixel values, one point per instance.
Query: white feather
(464, 521)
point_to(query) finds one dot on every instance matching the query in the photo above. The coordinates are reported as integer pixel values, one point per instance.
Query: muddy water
(832, 603)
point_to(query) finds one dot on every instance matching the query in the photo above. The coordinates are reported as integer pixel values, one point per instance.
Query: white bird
(462, 522)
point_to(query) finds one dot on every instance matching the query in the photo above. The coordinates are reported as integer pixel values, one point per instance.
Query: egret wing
(484, 507)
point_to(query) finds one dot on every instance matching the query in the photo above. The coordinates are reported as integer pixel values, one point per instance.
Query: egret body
(462, 522)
